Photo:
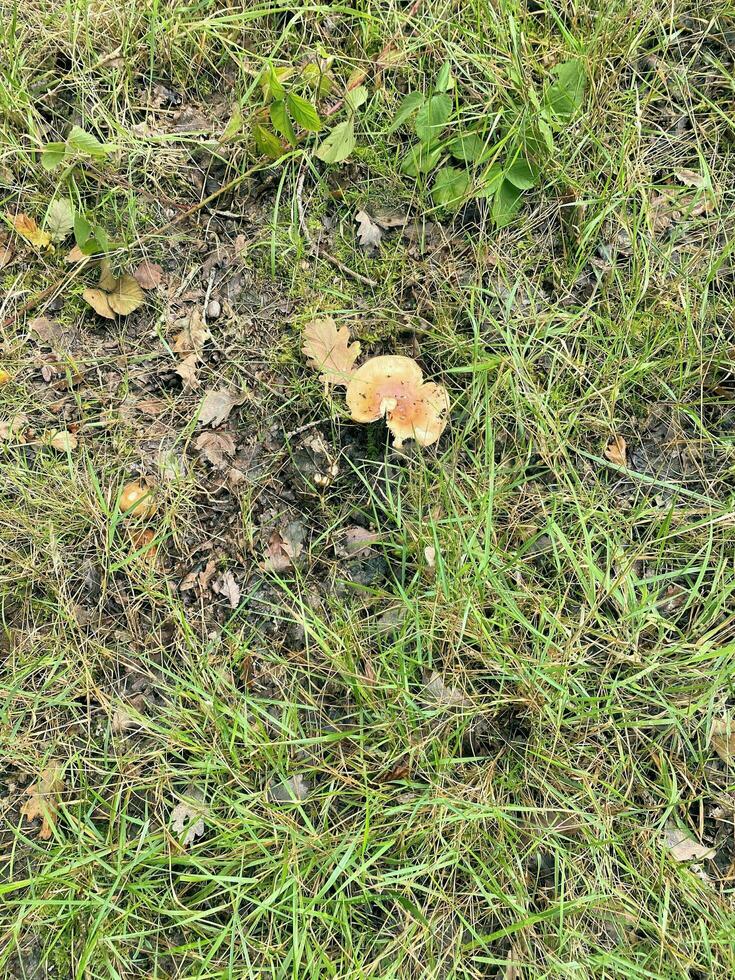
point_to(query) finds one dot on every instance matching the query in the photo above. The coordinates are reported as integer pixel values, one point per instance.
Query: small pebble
(213, 309)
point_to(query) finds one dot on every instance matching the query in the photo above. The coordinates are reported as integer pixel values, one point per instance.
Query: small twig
(303, 428)
(207, 295)
(314, 249)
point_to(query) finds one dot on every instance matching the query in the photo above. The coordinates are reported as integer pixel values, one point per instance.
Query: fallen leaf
(722, 737)
(215, 447)
(63, 441)
(148, 274)
(43, 798)
(114, 295)
(187, 371)
(691, 178)
(329, 350)
(6, 254)
(369, 233)
(150, 406)
(28, 228)
(283, 547)
(292, 790)
(355, 542)
(5, 376)
(399, 771)
(193, 337)
(617, 451)
(227, 586)
(60, 219)
(199, 580)
(217, 405)
(684, 847)
(99, 302)
(190, 342)
(76, 255)
(437, 690)
(13, 427)
(48, 332)
(122, 720)
(187, 817)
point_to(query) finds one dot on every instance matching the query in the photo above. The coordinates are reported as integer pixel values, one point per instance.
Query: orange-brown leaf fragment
(148, 274)
(329, 350)
(43, 798)
(28, 228)
(617, 451)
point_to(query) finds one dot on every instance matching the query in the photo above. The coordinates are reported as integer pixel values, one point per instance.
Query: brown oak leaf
(329, 350)
(43, 798)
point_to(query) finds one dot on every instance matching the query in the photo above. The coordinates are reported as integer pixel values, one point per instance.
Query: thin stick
(314, 248)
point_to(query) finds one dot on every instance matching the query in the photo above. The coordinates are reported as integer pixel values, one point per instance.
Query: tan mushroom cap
(392, 387)
(425, 420)
(380, 385)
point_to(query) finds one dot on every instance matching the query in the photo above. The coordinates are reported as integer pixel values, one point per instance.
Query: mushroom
(136, 500)
(393, 387)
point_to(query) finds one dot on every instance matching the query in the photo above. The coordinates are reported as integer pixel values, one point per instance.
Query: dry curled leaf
(190, 343)
(616, 451)
(722, 737)
(226, 586)
(14, 428)
(48, 332)
(283, 547)
(43, 798)
(187, 817)
(215, 447)
(683, 847)
(148, 274)
(369, 233)
(63, 441)
(329, 350)
(28, 228)
(356, 542)
(691, 178)
(217, 405)
(114, 295)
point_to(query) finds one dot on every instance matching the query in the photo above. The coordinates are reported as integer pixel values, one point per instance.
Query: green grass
(512, 822)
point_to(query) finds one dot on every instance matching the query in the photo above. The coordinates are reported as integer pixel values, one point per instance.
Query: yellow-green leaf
(126, 296)
(60, 219)
(97, 299)
(28, 228)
